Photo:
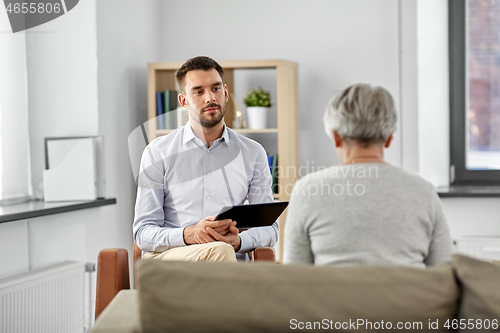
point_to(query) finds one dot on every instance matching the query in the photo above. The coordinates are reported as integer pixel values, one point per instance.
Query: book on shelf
(166, 106)
(160, 123)
(171, 104)
(274, 173)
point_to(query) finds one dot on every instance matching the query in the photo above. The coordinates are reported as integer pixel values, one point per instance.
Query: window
(474, 28)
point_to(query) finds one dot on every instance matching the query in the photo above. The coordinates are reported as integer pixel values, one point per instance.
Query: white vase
(257, 117)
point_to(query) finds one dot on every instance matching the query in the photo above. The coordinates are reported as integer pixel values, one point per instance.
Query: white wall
(14, 145)
(472, 216)
(14, 235)
(433, 91)
(409, 85)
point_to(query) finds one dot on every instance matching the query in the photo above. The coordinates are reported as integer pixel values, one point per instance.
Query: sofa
(463, 295)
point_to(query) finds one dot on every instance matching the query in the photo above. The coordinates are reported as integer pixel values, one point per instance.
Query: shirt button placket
(206, 164)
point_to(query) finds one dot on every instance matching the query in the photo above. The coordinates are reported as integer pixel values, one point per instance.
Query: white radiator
(487, 248)
(48, 300)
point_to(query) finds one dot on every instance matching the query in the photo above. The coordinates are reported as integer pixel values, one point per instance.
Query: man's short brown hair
(203, 63)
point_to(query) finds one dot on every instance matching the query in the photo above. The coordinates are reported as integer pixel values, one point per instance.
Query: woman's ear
(337, 139)
(388, 141)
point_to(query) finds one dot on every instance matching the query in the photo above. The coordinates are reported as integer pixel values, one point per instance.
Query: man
(187, 176)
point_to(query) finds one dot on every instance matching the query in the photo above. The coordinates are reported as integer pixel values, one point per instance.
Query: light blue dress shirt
(181, 181)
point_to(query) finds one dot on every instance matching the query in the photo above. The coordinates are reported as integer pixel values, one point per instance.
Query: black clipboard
(253, 215)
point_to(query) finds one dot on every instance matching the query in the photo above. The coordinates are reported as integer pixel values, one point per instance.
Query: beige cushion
(121, 315)
(480, 289)
(259, 297)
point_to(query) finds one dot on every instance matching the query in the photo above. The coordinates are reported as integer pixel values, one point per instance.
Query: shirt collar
(189, 134)
(225, 135)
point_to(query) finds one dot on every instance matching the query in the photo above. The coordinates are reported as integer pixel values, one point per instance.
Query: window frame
(459, 174)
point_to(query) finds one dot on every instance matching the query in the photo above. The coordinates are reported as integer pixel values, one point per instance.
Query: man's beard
(212, 120)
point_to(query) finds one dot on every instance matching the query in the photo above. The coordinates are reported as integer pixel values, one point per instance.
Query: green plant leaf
(258, 97)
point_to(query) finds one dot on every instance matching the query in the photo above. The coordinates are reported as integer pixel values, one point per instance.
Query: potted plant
(258, 103)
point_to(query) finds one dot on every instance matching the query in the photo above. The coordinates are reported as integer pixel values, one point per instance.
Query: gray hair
(361, 113)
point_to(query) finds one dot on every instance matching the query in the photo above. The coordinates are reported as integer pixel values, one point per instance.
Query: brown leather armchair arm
(113, 272)
(112, 276)
(264, 254)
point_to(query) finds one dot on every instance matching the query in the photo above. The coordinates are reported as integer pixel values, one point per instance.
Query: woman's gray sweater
(363, 214)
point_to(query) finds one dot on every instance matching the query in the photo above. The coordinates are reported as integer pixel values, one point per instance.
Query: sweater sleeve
(441, 246)
(297, 247)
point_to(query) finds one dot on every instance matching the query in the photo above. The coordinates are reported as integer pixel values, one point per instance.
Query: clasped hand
(208, 230)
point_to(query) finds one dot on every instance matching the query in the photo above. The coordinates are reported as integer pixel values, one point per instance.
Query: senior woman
(364, 211)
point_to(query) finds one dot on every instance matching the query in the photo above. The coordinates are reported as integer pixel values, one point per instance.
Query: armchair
(113, 271)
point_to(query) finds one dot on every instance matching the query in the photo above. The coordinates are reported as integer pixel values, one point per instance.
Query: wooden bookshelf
(161, 77)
